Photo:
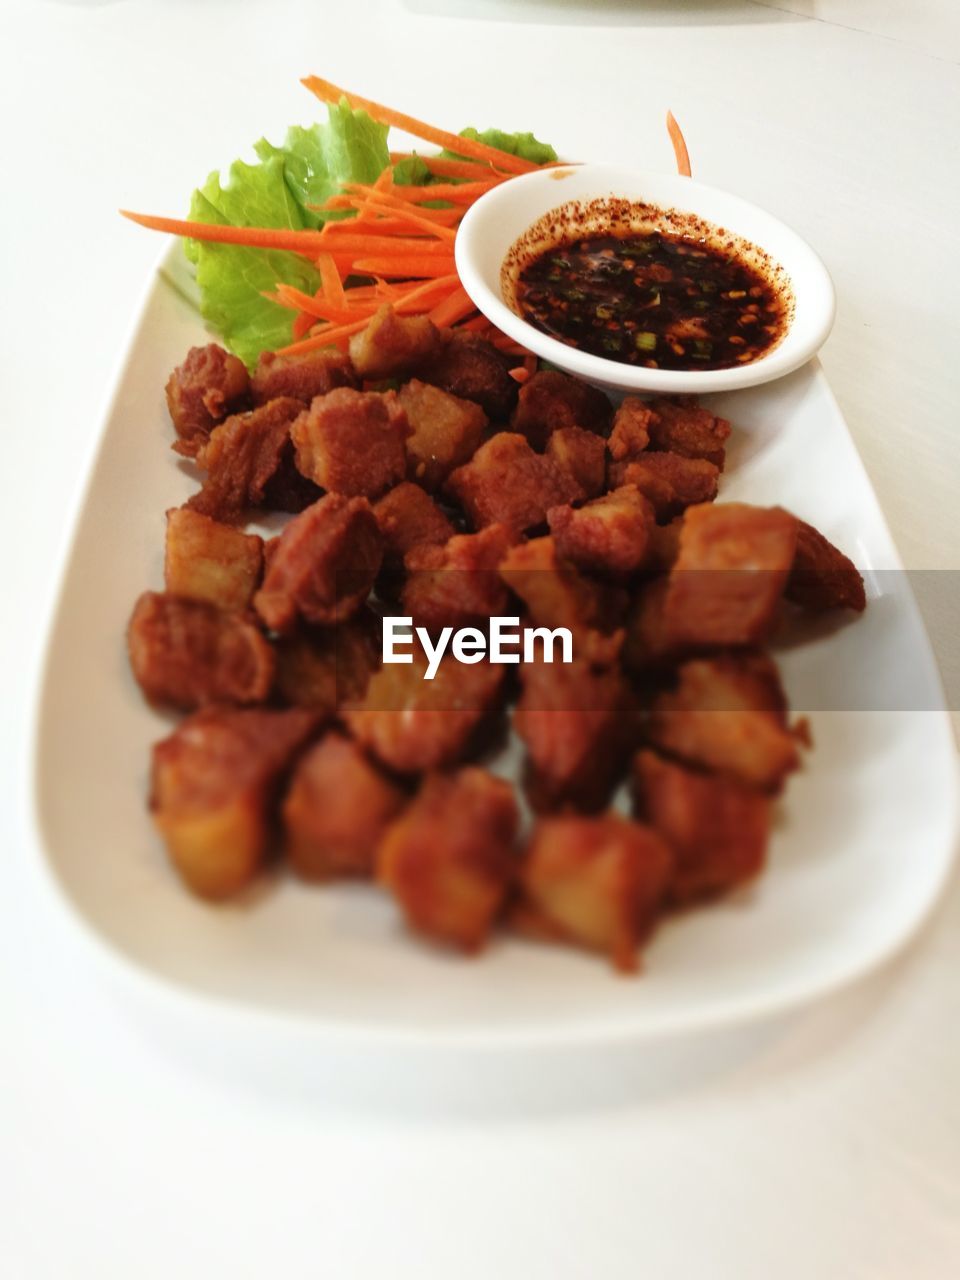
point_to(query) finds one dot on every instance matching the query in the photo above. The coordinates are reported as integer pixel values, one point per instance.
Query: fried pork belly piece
(327, 668)
(473, 369)
(324, 564)
(577, 724)
(408, 517)
(186, 653)
(458, 584)
(729, 574)
(717, 827)
(301, 377)
(595, 882)
(648, 642)
(609, 535)
(214, 783)
(393, 346)
(337, 810)
(507, 483)
(241, 457)
(208, 561)
(448, 859)
(670, 481)
(209, 385)
(557, 595)
(352, 442)
(728, 715)
(823, 577)
(682, 426)
(551, 400)
(411, 724)
(664, 545)
(580, 455)
(447, 431)
(630, 433)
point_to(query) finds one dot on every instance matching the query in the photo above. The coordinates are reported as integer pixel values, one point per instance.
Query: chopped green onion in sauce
(654, 299)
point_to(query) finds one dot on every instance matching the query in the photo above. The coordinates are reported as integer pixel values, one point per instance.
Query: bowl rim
(812, 284)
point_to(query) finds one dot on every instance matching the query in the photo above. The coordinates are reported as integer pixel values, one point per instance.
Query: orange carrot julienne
(457, 192)
(325, 338)
(679, 146)
(520, 374)
(330, 279)
(351, 241)
(397, 209)
(445, 167)
(404, 266)
(302, 324)
(469, 147)
(456, 307)
(306, 242)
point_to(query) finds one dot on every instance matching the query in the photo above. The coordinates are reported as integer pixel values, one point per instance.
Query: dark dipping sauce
(653, 299)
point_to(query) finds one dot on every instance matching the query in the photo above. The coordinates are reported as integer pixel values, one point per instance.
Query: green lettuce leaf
(524, 145)
(276, 192)
(309, 167)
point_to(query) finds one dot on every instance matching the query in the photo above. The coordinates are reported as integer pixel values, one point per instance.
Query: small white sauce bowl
(486, 257)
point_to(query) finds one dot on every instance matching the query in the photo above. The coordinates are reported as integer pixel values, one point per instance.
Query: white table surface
(827, 1145)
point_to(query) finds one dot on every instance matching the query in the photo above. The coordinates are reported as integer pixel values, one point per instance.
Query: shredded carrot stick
(302, 324)
(348, 240)
(320, 310)
(306, 242)
(329, 336)
(330, 279)
(456, 192)
(397, 209)
(679, 146)
(469, 147)
(456, 307)
(443, 217)
(414, 298)
(445, 167)
(519, 374)
(404, 267)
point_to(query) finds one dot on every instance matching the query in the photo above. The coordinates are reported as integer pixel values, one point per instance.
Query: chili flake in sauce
(654, 299)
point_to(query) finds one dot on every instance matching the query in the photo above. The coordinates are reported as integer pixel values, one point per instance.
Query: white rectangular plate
(863, 840)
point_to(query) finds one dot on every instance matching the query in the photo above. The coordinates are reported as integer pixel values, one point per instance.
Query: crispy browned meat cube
(823, 577)
(648, 643)
(609, 535)
(577, 724)
(507, 483)
(213, 787)
(412, 724)
(670, 481)
(595, 882)
(393, 346)
(352, 442)
(447, 431)
(716, 827)
(473, 369)
(209, 385)
(301, 377)
(241, 457)
(682, 426)
(408, 517)
(337, 810)
(664, 545)
(324, 564)
(630, 434)
(729, 575)
(208, 561)
(551, 400)
(580, 455)
(728, 715)
(448, 860)
(328, 667)
(558, 595)
(458, 584)
(186, 653)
